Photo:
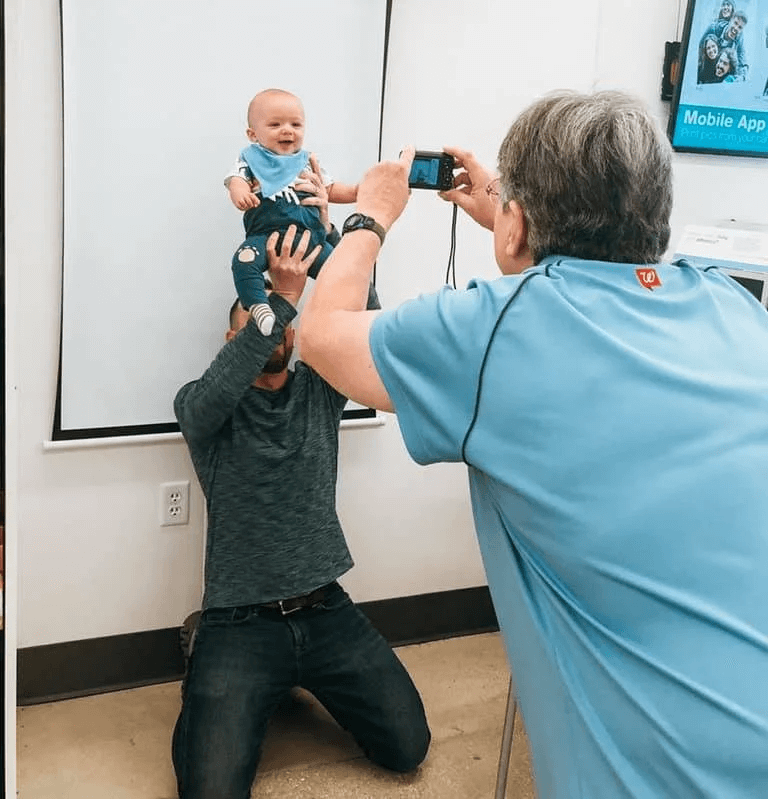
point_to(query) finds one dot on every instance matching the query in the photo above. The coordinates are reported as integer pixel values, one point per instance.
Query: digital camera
(431, 170)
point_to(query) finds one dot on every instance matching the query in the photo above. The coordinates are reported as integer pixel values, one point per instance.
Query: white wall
(92, 560)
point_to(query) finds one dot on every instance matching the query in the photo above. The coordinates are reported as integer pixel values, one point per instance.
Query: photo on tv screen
(720, 103)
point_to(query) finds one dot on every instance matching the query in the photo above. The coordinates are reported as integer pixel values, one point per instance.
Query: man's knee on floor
(409, 756)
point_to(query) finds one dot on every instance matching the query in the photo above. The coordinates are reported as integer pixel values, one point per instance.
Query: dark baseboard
(430, 617)
(98, 665)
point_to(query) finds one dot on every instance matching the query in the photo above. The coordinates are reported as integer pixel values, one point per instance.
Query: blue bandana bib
(274, 172)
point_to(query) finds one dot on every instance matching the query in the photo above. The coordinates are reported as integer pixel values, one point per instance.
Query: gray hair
(593, 176)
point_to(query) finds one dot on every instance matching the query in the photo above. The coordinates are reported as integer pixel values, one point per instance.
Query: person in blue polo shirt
(612, 411)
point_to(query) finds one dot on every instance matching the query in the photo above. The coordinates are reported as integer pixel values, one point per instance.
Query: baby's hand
(243, 196)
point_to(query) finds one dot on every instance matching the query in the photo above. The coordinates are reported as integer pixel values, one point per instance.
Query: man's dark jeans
(245, 660)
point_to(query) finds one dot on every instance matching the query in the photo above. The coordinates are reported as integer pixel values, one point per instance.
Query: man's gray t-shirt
(266, 461)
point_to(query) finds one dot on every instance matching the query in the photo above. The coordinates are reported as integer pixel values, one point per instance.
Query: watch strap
(362, 222)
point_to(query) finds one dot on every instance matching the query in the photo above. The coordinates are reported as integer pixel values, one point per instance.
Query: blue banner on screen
(721, 129)
(721, 102)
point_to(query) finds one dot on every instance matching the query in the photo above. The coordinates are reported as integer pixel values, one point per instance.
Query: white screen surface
(155, 97)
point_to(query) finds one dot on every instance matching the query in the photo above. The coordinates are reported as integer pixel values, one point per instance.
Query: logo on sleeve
(649, 278)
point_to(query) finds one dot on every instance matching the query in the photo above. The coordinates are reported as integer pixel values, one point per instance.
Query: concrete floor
(117, 745)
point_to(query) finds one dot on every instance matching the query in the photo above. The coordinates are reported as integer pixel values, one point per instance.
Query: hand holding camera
(470, 189)
(383, 192)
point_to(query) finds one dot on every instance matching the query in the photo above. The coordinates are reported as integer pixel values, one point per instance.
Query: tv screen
(720, 102)
(754, 285)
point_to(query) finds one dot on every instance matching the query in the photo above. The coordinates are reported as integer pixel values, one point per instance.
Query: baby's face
(277, 123)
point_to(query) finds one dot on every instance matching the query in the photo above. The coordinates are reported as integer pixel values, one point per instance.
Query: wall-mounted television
(720, 102)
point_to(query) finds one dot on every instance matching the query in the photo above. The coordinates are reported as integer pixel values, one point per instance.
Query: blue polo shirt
(614, 421)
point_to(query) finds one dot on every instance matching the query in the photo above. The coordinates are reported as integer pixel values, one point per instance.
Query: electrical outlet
(174, 503)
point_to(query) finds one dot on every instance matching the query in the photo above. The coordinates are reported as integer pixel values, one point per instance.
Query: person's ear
(251, 134)
(516, 243)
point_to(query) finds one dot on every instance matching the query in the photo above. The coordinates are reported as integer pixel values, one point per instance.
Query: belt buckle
(288, 612)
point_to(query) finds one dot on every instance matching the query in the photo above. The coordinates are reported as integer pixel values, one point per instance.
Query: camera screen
(425, 170)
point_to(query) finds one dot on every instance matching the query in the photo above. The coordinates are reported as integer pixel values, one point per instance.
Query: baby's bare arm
(242, 193)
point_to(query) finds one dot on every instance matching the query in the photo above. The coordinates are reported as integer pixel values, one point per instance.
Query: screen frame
(679, 84)
(756, 276)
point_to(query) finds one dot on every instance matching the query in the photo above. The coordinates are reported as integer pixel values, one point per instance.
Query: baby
(276, 185)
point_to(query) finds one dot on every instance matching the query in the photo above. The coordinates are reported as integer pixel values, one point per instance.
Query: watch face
(353, 221)
(362, 222)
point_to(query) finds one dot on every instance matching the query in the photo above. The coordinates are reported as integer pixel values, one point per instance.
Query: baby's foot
(264, 317)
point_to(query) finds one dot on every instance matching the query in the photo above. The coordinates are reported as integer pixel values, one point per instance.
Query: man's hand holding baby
(312, 182)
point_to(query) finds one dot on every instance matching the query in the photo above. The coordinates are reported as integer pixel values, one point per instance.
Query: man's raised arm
(333, 335)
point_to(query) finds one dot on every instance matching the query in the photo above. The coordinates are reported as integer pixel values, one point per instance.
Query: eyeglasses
(492, 190)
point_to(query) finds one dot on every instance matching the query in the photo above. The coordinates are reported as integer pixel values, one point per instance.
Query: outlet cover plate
(174, 503)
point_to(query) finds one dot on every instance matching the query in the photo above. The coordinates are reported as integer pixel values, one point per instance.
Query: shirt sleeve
(239, 170)
(325, 177)
(742, 67)
(429, 354)
(203, 406)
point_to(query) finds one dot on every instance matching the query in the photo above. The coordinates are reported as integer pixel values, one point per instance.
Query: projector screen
(155, 97)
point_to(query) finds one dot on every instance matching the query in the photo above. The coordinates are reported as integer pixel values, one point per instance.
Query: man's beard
(278, 361)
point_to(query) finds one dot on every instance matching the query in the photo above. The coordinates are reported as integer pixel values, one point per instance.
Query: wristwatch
(363, 222)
